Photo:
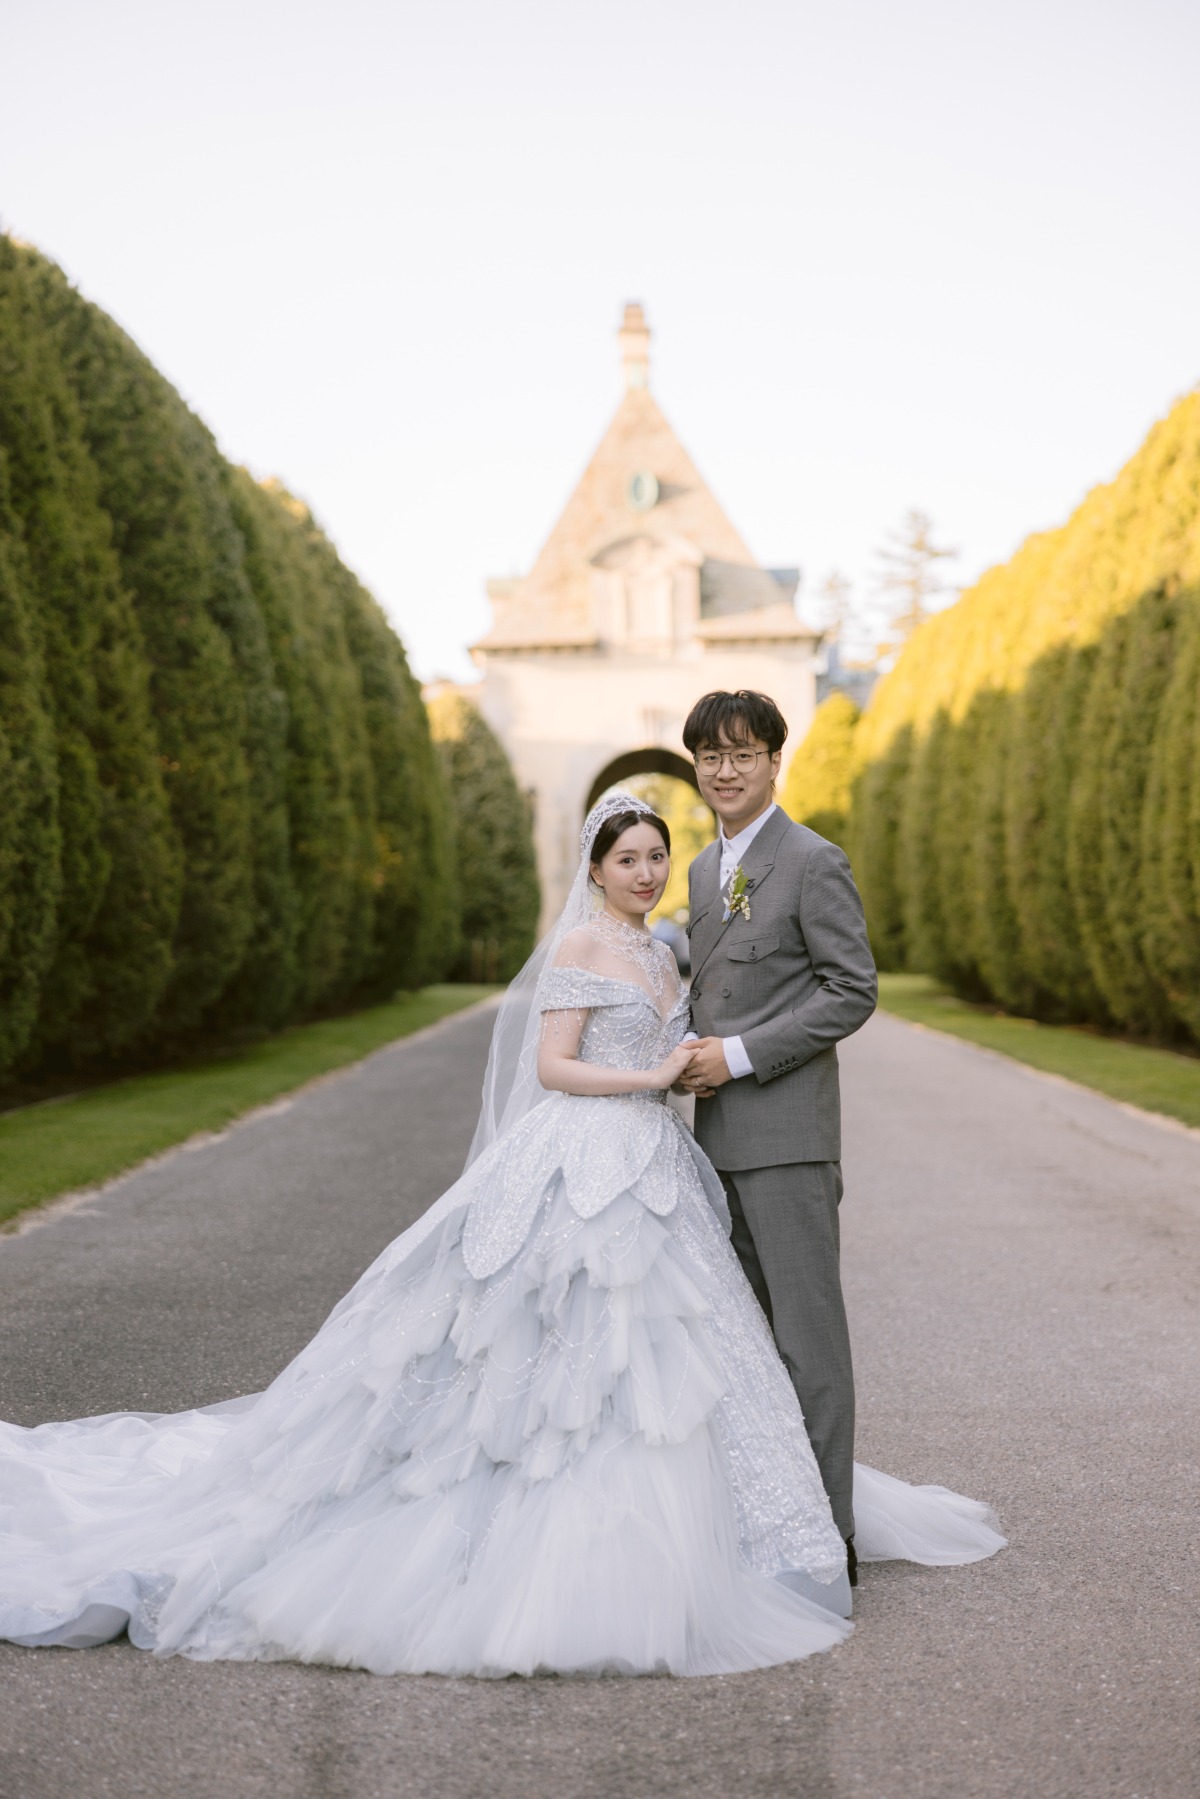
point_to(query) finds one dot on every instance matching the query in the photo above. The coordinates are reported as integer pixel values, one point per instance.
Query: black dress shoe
(851, 1562)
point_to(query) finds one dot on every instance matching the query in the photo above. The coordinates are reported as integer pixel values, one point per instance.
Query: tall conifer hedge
(220, 806)
(820, 774)
(496, 861)
(1026, 811)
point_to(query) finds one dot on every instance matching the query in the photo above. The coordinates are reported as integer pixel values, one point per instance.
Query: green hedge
(220, 807)
(496, 861)
(1025, 820)
(816, 791)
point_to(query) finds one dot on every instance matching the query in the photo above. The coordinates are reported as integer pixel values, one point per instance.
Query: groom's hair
(736, 717)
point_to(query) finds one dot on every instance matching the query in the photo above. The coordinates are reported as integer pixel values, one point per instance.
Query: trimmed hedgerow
(1025, 820)
(108, 872)
(220, 805)
(1170, 832)
(497, 865)
(816, 791)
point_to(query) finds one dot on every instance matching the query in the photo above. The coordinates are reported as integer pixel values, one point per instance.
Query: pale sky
(894, 253)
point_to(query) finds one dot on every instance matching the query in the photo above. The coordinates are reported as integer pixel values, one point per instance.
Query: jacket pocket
(756, 950)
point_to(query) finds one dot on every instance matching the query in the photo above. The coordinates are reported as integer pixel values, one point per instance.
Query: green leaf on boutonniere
(738, 900)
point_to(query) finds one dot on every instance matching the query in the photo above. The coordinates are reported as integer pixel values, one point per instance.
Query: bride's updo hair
(612, 828)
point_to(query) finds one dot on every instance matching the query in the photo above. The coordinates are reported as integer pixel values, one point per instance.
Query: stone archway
(655, 761)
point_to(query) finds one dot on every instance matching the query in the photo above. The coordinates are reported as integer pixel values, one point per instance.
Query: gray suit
(791, 982)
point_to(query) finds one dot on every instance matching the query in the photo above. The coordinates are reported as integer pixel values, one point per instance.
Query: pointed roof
(640, 482)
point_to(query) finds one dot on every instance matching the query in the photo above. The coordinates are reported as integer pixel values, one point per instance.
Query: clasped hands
(706, 1068)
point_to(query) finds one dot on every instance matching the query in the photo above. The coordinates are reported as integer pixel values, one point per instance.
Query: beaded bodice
(628, 984)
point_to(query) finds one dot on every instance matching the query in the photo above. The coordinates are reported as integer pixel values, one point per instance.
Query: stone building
(643, 598)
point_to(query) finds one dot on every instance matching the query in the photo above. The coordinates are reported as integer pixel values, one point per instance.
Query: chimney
(634, 339)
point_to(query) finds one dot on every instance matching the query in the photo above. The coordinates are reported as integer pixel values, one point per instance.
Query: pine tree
(1046, 741)
(878, 796)
(151, 487)
(415, 924)
(258, 990)
(30, 836)
(119, 894)
(293, 572)
(997, 963)
(371, 845)
(918, 864)
(1170, 846)
(1085, 815)
(497, 867)
(1107, 820)
(820, 774)
(908, 578)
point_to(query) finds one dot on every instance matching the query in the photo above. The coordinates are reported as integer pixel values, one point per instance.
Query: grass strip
(86, 1138)
(1157, 1080)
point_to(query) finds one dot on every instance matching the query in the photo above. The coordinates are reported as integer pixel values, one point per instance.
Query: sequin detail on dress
(652, 959)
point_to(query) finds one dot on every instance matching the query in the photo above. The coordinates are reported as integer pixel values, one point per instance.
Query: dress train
(547, 1430)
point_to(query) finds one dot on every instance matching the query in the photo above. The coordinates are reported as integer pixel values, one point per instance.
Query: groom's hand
(707, 1069)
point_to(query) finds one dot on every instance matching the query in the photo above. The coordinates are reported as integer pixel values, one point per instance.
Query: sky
(894, 254)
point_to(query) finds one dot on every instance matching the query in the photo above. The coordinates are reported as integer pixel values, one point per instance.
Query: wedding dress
(547, 1430)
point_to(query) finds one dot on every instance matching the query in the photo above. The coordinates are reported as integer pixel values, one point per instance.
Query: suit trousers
(785, 1232)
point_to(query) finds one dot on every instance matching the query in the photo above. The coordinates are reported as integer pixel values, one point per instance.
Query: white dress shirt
(732, 851)
(734, 848)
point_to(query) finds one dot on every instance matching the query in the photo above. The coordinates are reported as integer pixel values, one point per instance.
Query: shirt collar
(736, 846)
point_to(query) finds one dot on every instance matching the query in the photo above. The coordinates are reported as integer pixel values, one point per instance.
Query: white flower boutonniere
(738, 900)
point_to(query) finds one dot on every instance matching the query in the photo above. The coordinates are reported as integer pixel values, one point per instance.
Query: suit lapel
(707, 913)
(757, 862)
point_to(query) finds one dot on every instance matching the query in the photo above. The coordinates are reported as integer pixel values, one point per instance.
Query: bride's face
(634, 871)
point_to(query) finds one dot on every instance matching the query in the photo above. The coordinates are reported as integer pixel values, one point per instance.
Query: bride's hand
(668, 1072)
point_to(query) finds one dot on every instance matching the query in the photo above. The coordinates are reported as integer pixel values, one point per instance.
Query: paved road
(1021, 1264)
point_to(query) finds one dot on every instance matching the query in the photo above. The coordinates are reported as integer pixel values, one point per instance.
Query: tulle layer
(586, 1459)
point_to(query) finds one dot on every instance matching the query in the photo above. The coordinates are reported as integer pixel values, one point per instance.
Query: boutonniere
(739, 895)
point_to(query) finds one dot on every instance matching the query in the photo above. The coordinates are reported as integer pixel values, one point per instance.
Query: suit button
(725, 993)
(695, 993)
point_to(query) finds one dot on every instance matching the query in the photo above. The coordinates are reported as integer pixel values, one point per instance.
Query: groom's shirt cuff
(736, 1059)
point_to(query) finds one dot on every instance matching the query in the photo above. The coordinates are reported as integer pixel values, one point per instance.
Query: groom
(781, 972)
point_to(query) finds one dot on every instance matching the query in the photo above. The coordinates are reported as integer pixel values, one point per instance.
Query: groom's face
(735, 777)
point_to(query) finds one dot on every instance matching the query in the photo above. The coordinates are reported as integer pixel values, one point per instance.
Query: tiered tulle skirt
(547, 1431)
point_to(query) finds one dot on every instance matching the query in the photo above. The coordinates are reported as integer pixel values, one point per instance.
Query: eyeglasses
(709, 762)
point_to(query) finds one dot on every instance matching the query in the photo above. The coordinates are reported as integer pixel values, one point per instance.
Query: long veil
(510, 1086)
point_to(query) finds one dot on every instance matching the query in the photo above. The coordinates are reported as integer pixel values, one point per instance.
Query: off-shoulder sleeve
(578, 989)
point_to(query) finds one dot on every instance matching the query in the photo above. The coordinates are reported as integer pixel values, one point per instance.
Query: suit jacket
(792, 981)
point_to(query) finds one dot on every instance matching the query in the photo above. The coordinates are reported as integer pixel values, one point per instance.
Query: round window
(642, 491)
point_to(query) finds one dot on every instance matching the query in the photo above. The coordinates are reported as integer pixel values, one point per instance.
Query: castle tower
(643, 598)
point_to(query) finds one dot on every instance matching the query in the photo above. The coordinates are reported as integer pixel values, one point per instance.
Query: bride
(548, 1429)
